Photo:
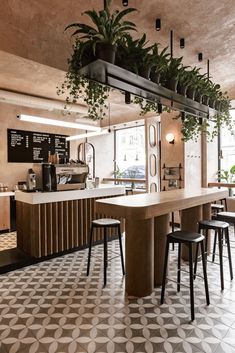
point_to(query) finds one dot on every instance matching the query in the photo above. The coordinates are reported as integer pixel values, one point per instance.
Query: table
(147, 223)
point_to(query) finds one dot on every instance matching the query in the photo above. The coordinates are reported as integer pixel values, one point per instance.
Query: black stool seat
(213, 224)
(229, 216)
(217, 207)
(106, 222)
(189, 239)
(183, 236)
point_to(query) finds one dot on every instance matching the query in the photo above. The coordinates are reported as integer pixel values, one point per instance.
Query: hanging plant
(77, 87)
(145, 105)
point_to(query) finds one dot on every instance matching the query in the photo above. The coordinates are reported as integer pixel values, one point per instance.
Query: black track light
(158, 24)
(182, 43)
(200, 57)
(125, 2)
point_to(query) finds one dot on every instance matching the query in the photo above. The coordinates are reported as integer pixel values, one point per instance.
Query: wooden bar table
(147, 223)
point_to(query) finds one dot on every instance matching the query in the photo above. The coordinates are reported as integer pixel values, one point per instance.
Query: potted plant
(109, 27)
(160, 62)
(171, 76)
(135, 55)
(193, 82)
(228, 176)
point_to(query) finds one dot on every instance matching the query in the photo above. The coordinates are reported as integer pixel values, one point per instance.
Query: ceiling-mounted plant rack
(124, 80)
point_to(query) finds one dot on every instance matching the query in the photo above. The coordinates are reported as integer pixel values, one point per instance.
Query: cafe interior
(117, 176)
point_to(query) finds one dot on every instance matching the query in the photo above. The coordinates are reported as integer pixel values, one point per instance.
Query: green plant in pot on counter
(109, 28)
(228, 176)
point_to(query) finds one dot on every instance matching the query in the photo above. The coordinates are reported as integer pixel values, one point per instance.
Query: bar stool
(216, 208)
(221, 230)
(105, 223)
(226, 217)
(187, 238)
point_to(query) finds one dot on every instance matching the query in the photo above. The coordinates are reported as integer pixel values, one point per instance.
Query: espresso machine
(57, 177)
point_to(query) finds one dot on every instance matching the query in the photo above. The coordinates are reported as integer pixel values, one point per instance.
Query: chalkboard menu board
(34, 147)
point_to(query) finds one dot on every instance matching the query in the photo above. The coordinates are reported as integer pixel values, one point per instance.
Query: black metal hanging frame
(126, 81)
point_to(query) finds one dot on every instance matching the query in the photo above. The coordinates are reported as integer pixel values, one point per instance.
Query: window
(228, 147)
(130, 154)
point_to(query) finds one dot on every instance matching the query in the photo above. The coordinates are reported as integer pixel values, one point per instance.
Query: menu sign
(34, 147)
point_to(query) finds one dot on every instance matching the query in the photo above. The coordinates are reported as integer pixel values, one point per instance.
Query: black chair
(189, 239)
(221, 230)
(105, 223)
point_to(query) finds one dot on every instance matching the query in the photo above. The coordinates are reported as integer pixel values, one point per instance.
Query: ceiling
(35, 30)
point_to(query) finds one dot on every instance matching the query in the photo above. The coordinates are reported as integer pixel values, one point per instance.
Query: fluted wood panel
(47, 229)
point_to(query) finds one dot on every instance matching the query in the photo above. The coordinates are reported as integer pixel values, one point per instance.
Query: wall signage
(34, 147)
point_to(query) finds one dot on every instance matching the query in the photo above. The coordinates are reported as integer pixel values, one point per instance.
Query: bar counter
(147, 223)
(50, 223)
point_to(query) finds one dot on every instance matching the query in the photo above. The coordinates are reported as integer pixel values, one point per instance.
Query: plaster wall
(193, 164)
(172, 155)
(11, 173)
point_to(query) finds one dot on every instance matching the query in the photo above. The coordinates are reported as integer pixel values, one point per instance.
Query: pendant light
(124, 2)
(182, 43)
(200, 57)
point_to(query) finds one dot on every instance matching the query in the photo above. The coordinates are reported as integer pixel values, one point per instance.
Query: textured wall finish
(34, 30)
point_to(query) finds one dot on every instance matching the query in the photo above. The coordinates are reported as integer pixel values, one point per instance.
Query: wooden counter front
(53, 227)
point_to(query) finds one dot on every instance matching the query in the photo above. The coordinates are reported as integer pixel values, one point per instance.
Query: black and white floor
(53, 307)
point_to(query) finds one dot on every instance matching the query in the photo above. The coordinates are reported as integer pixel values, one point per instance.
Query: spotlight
(181, 43)
(158, 24)
(200, 57)
(125, 2)
(170, 138)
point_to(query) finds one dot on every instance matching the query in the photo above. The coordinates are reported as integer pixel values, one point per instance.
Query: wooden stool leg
(191, 281)
(173, 227)
(220, 236)
(214, 246)
(205, 273)
(179, 267)
(121, 252)
(89, 252)
(164, 272)
(105, 255)
(229, 253)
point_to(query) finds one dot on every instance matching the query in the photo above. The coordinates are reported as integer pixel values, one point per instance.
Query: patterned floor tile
(7, 241)
(53, 307)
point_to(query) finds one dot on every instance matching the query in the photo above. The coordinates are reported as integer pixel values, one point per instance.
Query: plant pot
(198, 97)
(191, 92)
(205, 100)
(106, 52)
(218, 105)
(155, 77)
(172, 84)
(144, 71)
(181, 89)
(212, 103)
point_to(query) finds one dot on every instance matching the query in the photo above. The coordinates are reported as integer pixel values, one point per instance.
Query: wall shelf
(124, 80)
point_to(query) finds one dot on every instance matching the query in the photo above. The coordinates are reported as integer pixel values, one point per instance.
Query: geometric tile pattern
(7, 241)
(53, 307)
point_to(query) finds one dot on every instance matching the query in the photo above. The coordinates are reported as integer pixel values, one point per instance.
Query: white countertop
(7, 193)
(102, 190)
